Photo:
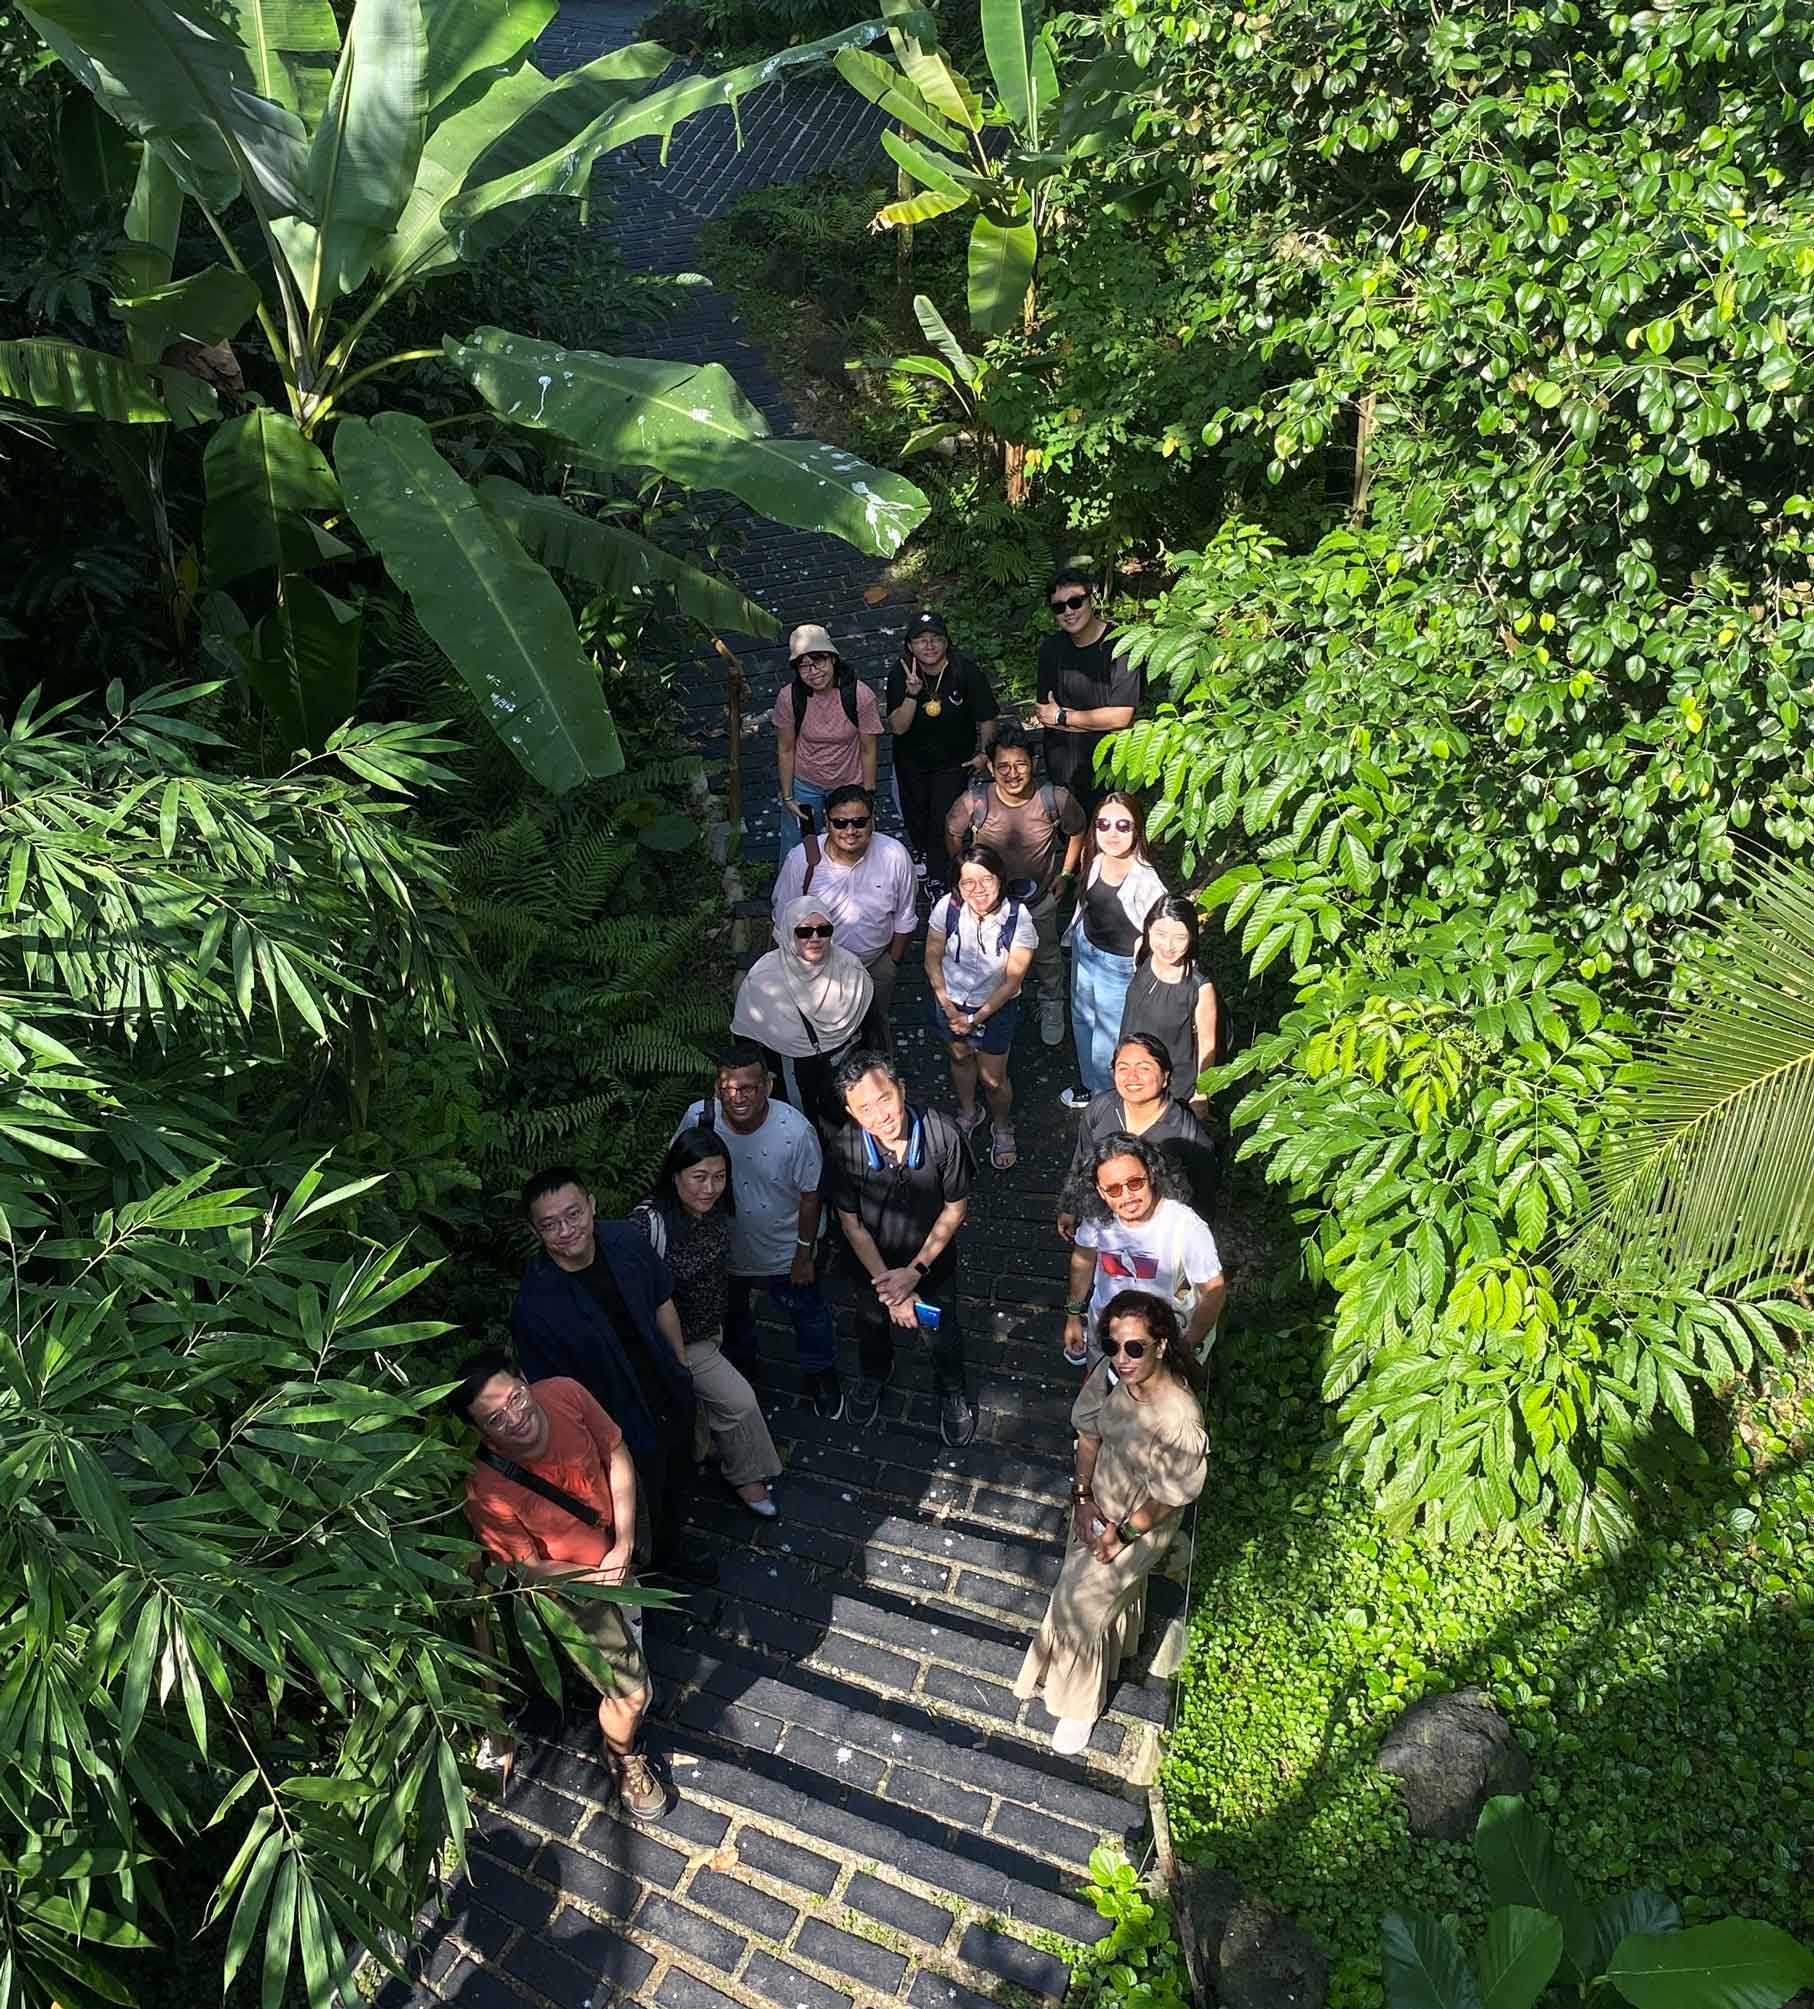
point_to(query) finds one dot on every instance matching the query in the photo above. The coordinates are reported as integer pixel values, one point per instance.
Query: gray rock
(1451, 1754)
(1267, 1960)
(1203, 1901)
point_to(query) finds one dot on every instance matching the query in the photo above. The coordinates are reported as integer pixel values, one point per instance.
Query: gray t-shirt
(770, 1169)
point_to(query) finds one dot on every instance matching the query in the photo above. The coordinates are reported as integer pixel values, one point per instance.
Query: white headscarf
(782, 988)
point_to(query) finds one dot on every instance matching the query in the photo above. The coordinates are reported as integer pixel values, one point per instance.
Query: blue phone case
(926, 1314)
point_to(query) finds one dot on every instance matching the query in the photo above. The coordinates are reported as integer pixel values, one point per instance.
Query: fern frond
(1713, 1169)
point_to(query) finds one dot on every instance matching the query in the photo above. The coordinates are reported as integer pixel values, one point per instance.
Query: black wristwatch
(1063, 717)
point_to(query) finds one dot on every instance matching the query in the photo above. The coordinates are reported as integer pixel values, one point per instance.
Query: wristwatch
(1126, 1533)
(919, 1268)
(1077, 1310)
(1063, 716)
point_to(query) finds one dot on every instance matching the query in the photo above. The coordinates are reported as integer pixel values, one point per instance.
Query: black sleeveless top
(1168, 1012)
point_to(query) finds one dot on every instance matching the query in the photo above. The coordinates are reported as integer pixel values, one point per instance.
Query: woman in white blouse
(1120, 889)
(978, 946)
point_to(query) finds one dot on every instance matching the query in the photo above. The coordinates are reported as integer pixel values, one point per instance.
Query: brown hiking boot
(638, 1787)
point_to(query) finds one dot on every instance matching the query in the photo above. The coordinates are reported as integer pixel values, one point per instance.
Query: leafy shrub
(1140, 1964)
(1653, 1694)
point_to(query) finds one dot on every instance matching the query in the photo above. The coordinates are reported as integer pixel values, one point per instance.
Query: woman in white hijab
(804, 1004)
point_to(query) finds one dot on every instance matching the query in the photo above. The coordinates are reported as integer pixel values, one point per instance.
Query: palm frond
(1712, 1166)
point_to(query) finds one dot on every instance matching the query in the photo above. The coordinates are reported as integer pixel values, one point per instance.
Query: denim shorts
(997, 1034)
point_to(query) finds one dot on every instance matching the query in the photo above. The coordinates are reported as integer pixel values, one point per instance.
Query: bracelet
(1079, 1491)
(801, 1243)
(1126, 1533)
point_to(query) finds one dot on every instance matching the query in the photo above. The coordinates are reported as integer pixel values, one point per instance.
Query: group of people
(635, 1357)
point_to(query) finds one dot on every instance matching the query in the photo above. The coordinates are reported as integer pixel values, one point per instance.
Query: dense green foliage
(1655, 1695)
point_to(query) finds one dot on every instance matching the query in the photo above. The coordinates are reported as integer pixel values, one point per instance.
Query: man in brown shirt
(1038, 829)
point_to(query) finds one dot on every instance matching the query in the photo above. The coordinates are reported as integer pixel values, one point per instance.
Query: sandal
(1003, 1155)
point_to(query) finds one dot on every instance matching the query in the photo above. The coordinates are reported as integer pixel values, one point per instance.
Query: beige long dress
(1154, 1449)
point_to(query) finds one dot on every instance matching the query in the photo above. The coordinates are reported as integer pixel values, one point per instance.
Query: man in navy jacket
(598, 1305)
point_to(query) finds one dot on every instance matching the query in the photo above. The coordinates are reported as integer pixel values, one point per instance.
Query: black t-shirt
(964, 700)
(1082, 680)
(899, 1201)
(598, 1282)
(1177, 1136)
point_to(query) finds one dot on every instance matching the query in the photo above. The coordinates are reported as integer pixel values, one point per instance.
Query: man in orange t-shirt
(553, 1432)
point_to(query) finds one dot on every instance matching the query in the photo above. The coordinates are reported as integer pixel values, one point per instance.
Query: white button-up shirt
(867, 903)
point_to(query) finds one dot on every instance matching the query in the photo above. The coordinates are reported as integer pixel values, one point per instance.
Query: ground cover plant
(1654, 1695)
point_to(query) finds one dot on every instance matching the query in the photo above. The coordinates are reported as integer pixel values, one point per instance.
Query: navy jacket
(561, 1328)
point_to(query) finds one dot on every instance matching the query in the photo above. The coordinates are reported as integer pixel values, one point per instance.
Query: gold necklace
(932, 704)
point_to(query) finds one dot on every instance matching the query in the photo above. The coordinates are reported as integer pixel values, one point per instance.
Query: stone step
(767, 1883)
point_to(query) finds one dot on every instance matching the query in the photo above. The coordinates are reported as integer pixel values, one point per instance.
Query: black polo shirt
(898, 1201)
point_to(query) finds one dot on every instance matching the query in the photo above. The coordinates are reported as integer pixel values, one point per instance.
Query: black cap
(928, 624)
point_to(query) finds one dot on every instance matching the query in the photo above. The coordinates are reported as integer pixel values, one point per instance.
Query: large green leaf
(425, 240)
(619, 562)
(273, 34)
(211, 305)
(96, 159)
(170, 73)
(1735, 1963)
(1518, 1862)
(497, 615)
(1594, 1937)
(937, 331)
(1424, 1967)
(63, 376)
(930, 170)
(693, 424)
(925, 207)
(882, 84)
(1006, 45)
(1043, 69)
(1522, 1949)
(303, 661)
(464, 39)
(262, 476)
(362, 164)
(1002, 257)
(153, 222)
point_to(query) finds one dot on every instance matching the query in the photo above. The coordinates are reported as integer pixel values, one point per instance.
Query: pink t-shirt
(826, 751)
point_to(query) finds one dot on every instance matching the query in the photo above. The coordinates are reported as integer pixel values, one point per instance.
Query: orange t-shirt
(518, 1526)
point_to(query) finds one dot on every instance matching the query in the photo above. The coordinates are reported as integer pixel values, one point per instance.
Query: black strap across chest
(556, 1496)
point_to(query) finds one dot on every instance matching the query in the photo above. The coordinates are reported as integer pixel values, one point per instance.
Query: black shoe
(956, 1418)
(864, 1402)
(828, 1394)
(936, 889)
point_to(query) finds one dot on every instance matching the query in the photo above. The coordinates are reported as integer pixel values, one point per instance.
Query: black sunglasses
(1071, 604)
(1125, 1349)
(814, 931)
(848, 822)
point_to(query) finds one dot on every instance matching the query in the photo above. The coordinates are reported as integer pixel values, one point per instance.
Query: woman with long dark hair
(1139, 1104)
(1171, 998)
(686, 1220)
(1119, 889)
(1137, 1230)
(1142, 1458)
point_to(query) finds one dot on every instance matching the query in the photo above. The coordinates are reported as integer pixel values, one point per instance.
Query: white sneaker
(1051, 1021)
(919, 868)
(1075, 1098)
(1072, 1735)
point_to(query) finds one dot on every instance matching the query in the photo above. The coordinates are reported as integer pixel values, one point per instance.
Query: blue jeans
(1099, 984)
(815, 1339)
(809, 795)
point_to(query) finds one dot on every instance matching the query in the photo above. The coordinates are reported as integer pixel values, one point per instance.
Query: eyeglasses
(1122, 823)
(1113, 1190)
(848, 822)
(814, 931)
(574, 1217)
(1125, 1349)
(1071, 604)
(816, 657)
(516, 1403)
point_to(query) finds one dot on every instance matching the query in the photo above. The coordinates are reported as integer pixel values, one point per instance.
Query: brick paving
(867, 1814)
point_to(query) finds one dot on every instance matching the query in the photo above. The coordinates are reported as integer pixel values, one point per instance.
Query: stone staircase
(866, 1813)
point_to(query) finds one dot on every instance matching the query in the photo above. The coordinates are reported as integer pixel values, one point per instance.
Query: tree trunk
(1363, 461)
